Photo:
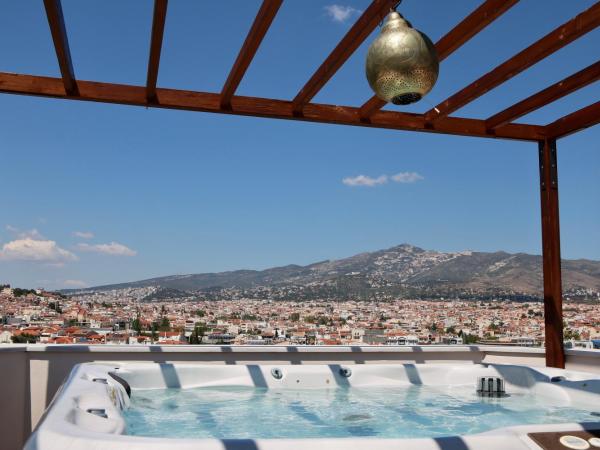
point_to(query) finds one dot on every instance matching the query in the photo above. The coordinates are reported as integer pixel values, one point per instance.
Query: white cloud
(407, 177)
(25, 234)
(363, 180)
(74, 283)
(341, 13)
(83, 234)
(114, 248)
(29, 249)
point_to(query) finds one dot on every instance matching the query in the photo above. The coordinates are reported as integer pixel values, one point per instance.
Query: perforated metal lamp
(402, 63)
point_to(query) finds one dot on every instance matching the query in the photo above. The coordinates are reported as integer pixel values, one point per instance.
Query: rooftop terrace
(32, 374)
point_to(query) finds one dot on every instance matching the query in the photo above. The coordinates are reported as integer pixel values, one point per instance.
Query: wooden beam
(257, 32)
(550, 94)
(553, 319)
(371, 106)
(363, 27)
(158, 29)
(475, 22)
(553, 41)
(577, 121)
(56, 20)
(259, 107)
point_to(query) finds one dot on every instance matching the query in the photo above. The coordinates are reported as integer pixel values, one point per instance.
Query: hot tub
(410, 406)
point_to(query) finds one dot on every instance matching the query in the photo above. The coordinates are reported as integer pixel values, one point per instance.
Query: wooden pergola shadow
(437, 120)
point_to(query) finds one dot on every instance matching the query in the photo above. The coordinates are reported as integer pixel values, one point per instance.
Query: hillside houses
(115, 318)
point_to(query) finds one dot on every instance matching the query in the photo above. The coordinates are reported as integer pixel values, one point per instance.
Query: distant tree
(200, 329)
(569, 334)
(18, 292)
(194, 339)
(153, 334)
(200, 312)
(323, 320)
(136, 325)
(295, 317)
(24, 339)
(450, 330)
(165, 325)
(469, 338)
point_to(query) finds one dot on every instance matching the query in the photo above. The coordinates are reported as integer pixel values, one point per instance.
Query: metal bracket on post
(553, 165)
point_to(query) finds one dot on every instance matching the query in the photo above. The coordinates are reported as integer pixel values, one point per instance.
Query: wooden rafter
(475, 22)
(56, 20)
(158, 28)
(577, 121)
(553, 41)
(257, 32)
(363, 27)
(300, 108)
(260, 107)
(550, 94)
(370, 106)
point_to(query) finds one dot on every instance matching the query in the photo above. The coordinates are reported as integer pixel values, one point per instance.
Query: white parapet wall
(31, 374)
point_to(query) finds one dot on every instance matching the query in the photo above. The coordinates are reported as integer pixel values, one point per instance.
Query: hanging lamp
(402, 63)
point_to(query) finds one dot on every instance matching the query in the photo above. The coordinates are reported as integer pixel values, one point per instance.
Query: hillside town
(119, 317)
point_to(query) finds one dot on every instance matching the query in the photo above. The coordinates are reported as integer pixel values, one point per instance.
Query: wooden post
(555, 353)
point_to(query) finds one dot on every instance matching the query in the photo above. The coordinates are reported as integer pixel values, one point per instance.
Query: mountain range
(404, 270)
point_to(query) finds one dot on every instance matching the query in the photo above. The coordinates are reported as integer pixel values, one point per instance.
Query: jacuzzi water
(391, 412)
(191, 405)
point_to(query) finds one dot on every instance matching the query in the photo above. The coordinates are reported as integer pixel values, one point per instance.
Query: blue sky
(157, 192)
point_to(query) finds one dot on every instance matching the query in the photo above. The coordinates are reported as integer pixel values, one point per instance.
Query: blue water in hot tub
(390, 412)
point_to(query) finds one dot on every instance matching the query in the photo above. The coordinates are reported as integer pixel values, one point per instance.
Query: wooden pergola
(437, 120)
